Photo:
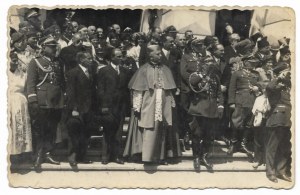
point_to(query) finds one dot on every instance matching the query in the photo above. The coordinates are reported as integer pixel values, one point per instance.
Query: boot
(227, 141)
(233, 142)
(256, 165)
(231, 147)
(49, 159)
(204, 162)
(38, 162)
(244, 148)
(197, 163)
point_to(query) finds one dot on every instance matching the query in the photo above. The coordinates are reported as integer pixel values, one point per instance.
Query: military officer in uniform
(206, 101)
(278, 147)
(242, 92)
(45, 84)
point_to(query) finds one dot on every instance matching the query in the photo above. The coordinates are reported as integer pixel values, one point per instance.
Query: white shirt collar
(114, 66)
(166, 52)
(216, 59)
(84, 69)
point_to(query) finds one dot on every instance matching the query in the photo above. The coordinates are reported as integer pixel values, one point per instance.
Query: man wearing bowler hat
(45, 84)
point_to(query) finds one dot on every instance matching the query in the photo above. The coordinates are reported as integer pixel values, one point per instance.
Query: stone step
(235, 166)
(98, 138)
(219, 155)
(217, 150)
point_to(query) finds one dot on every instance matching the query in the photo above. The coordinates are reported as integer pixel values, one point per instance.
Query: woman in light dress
(20, 135)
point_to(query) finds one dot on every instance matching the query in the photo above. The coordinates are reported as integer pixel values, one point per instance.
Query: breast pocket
(281, 116)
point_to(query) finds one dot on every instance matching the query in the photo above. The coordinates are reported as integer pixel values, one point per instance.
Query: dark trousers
(79, 133)
(112, 135)
(278, 150)
(224, 127)
(240, 117)
(183, 117)
(203, 132)
(259, 144)
(44, 130)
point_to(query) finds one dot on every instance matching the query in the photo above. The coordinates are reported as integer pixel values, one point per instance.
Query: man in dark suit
(68, 54)
(81, 97)
(171, 56)
(230, 50)
(224, 71)
(113, 95)
(45, 88)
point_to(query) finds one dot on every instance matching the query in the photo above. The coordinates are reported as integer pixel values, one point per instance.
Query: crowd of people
(180, 92)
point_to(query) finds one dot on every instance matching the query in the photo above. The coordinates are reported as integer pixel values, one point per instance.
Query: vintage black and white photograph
(158, 97)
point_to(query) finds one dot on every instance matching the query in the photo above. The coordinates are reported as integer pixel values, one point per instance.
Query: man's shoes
(50, 160)
(119, 161)
(231, 148)
(104, 162)
(204, 162)
(284, 177)
(272, 178)
(227, 141)
(256, 165)
(197, 163)
(38, 162)
(85, 161)
(73, 163)
(163, 162)
(72, 160)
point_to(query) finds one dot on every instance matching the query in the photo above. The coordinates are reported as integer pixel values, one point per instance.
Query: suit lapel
(222, 66)
(113, 71)
(83, 75)
(164, 59)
